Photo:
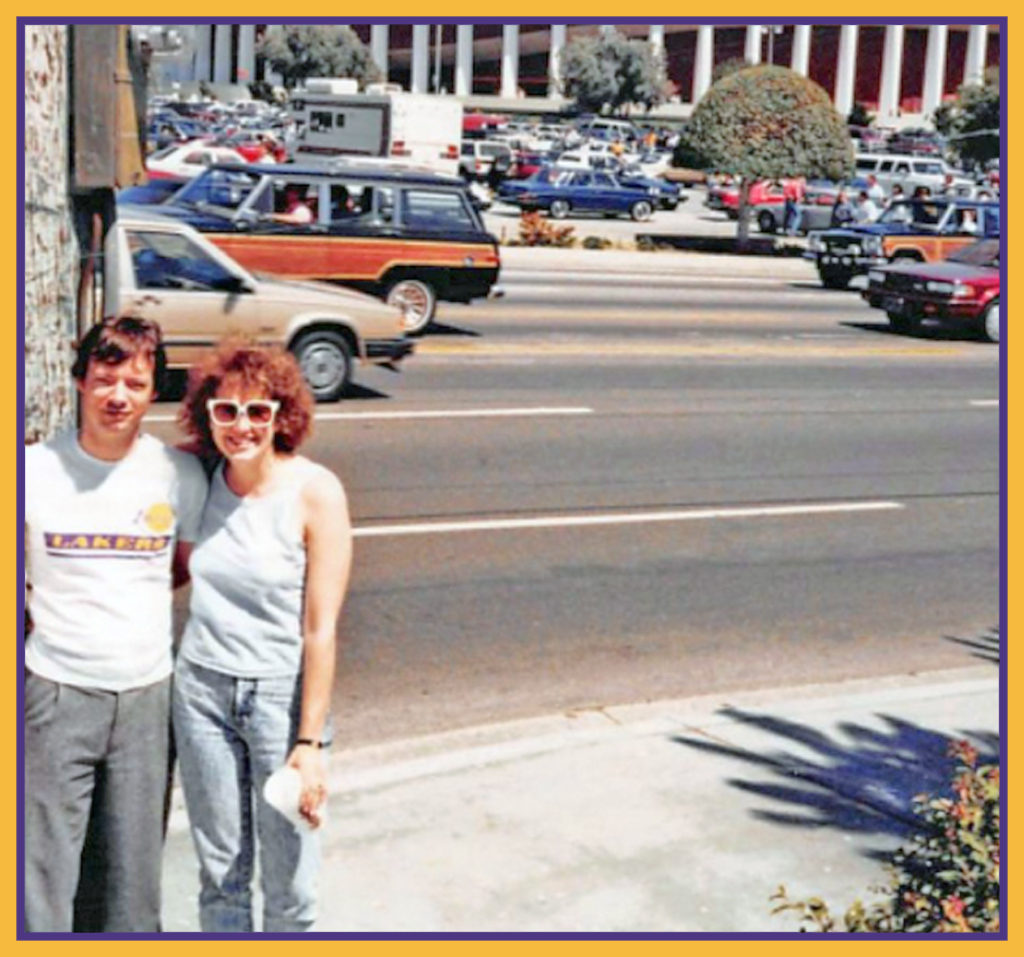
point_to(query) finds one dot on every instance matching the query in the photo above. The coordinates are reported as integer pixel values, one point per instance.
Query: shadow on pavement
(986, 646)
(861, 779)
(445, 329)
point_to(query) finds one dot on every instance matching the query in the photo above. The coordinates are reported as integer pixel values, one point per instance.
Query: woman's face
(250, 435)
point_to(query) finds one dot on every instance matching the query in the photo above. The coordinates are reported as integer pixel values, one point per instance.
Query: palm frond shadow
(861, 779)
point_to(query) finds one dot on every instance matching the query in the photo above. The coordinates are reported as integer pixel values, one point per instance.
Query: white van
(909, 171)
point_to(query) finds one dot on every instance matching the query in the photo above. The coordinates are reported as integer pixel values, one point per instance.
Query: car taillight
(398, 149)
(453, 152)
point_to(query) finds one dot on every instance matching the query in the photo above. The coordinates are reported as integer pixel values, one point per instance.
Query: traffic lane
(454, 630)
(677, 456)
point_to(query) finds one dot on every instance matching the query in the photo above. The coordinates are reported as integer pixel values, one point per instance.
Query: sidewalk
(671, 817)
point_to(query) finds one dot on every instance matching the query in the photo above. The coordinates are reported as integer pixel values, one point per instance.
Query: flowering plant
(946, 880)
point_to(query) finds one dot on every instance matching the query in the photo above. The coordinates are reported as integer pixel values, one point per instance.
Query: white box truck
(335, 120)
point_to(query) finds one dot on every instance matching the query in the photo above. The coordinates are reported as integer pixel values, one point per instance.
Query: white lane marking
(429, 414)
(626, 518)
(984, 402)
(666, 279)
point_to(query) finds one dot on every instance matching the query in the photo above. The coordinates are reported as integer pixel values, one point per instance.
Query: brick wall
(51, 249)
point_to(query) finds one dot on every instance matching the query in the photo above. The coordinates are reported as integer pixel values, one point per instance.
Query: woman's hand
(310, 764)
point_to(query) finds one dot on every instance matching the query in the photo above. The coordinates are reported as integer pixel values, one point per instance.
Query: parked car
(164, 270)
(909, 171)
(585, 191)
(916, 141)
(925, 230)
(158, 190)
(188, 160)
(412, 238)
(669, 195)
(962, 290)
(477, 157)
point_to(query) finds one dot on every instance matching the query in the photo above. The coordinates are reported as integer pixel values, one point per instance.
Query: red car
(962, 290)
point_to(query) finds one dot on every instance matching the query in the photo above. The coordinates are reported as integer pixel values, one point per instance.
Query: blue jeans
(232, 734)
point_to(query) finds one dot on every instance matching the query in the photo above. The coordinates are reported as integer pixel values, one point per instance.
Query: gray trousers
(97, 762)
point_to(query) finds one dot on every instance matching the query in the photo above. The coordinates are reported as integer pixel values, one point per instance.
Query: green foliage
(727, 67)
(971, 122)
(611, 72)
(536, 230)
(596, 242)
(860, 116)
(298, 51)
(947, 879)
(767, 122)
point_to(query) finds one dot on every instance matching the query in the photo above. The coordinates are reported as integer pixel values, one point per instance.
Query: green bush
(947, 879)
(596, 242)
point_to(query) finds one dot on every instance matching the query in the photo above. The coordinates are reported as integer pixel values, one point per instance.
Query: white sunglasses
(228, 411)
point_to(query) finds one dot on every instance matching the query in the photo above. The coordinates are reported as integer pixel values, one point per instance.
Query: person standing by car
(254, 673)
(842, 211)
(875, 191)
(864, 210)
(793, 192)
(109, 517)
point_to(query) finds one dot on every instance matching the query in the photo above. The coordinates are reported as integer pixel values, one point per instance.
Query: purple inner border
(23, 22)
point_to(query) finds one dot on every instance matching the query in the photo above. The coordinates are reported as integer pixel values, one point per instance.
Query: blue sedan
(582, 191)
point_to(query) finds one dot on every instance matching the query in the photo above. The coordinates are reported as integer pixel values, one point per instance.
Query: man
(864, 211)
(875, 191)
(109, 517)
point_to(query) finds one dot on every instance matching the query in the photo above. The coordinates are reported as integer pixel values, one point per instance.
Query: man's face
(115, 397)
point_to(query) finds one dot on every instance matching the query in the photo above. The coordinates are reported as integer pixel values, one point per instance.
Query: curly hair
(267, 368)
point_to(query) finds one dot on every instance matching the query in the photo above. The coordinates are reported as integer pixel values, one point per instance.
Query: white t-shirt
(99, 539)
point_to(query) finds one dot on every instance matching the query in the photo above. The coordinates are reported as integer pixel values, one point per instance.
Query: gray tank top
(248, 571)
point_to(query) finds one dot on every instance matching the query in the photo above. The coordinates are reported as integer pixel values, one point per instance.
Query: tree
(971, 122)
(297, 51)
(860, 116)
(768, 122)
(610, 72)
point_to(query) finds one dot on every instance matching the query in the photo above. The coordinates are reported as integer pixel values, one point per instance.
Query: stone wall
(51, 249)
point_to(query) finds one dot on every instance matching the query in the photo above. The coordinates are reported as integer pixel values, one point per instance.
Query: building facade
(892, 69)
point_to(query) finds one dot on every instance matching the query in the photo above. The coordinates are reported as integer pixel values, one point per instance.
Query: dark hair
(269, 368)
(118, 339)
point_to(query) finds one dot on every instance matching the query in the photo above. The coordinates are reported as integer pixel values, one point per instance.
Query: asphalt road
(682, 483)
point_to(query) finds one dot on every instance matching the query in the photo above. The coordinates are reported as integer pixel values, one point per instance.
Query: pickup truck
(920, 230)
(162, 269)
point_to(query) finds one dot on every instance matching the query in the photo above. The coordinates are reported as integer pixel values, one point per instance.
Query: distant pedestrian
(793, 192)
(864, 210)
(875, 190)
(842, 210)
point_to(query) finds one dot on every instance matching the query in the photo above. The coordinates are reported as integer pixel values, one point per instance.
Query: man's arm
(179, 564)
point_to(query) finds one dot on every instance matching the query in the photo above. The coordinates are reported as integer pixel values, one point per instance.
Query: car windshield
(221, 188)
(984, 253)
(924, 214)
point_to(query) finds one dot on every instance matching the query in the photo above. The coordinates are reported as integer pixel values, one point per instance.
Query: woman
(254, 672)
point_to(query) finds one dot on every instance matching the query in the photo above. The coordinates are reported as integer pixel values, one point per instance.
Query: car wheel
(559, 208)
(641, 210)
(906, 325)
(325, 358)
(835, 278)
(989, 326)
(417, 301)
(766, 222)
